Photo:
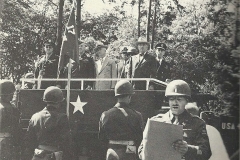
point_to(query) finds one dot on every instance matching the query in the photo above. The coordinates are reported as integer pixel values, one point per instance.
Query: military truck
(85, 113)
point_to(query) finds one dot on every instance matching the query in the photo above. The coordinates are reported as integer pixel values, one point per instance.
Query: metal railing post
(147, 84)
(82, 84)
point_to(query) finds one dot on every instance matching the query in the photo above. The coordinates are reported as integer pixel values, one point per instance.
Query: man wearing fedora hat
(105, 68)
(143, 65)
(163, 67)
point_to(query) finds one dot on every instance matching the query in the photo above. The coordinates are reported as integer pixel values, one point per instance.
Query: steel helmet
(123, 87)
(6, 87)
(178, 88)
(30, 76)
(53, 94)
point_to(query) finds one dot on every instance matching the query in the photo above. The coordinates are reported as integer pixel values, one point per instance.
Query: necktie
(175, 120)
(101, 60)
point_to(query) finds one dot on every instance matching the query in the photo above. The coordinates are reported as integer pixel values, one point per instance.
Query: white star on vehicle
(78, 105)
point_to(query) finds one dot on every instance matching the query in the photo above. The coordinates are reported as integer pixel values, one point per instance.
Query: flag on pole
(69, 51)
(69, 48)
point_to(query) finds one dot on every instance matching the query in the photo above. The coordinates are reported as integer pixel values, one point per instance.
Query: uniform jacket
(108, 70)
(163, 71)
(146, 68)
(9, 123)
(114, 125)
(85, 69)
(194, 133)
(50, 67)
(51, 128)
(123, 69)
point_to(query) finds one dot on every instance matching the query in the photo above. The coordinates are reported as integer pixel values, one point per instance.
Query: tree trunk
(60, 26)
(148, 21)
(1, 54)
(154, 23)
(139, 16)
(78, 18)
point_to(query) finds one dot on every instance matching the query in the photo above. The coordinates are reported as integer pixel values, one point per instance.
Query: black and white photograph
(119, 79)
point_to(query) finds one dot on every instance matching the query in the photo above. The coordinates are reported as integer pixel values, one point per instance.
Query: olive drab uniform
(49, 67)
(48, 136)
(194, 133)
(10, 132)
(120, 128)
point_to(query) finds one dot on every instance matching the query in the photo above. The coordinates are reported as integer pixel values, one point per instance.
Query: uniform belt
(121, 142)
(4, 135)
(48, 148)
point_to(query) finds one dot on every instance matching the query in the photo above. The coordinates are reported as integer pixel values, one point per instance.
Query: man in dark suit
(142, 65)
(163, 67)
(105, 68)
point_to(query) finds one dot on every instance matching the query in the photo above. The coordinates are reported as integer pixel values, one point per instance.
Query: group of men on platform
(132, 64)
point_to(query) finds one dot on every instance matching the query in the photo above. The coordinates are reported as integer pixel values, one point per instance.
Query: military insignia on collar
(199, 152)
(175, 90)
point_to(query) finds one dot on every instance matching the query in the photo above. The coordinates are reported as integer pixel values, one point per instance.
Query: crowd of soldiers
(133, 63)
(120, 128)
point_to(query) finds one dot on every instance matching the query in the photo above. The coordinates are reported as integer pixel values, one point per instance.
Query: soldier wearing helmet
(195, 142)
(48, 134)
(120, 128)
(10, 130)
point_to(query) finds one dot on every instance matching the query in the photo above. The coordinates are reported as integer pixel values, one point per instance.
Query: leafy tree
(23, 33)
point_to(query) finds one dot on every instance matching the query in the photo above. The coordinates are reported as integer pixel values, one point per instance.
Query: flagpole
(69, 66)
(68, 86)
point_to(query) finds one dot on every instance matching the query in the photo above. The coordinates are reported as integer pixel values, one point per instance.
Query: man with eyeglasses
(47, 66)
(195, 143)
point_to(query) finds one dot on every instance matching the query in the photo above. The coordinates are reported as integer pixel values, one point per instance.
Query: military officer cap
(100, 46)
(124, 50)
(161, 46)
(132, 50)
(49, 42)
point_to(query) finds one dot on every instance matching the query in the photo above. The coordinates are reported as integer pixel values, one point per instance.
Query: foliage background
(202, 38)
